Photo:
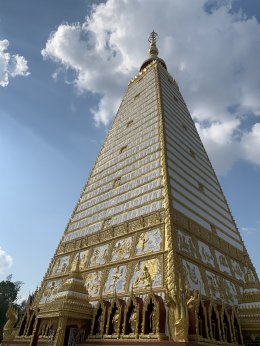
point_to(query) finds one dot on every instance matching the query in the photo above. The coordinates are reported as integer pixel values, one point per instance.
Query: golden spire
(153, 50)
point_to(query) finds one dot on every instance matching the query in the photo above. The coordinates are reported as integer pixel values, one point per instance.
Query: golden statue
(154, 320)
(12, 317)
(116, 321)
(178, 313)
(194, 299)
(144, 279)
(133, 320)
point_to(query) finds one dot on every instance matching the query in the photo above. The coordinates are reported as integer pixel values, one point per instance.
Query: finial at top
(153, 52)
(153, 38)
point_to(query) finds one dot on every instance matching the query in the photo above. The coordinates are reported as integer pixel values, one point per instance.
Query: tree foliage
(9, 291)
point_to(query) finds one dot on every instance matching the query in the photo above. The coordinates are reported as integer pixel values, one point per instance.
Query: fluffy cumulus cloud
(6, 261)
(10, 65)
(211, 51)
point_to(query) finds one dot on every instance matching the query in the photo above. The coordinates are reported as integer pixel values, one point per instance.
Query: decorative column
(60, 334)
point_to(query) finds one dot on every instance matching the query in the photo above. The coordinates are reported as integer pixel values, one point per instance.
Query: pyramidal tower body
(151, 251)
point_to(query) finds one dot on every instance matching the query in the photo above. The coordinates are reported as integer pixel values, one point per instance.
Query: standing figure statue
(132, 321)
(116, 322)
(178, 312)
(12, 317)
(155, 320)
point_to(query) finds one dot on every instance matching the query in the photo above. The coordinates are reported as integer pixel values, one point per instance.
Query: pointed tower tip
(152, 51)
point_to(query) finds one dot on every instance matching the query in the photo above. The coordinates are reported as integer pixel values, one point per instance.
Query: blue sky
(64, 65)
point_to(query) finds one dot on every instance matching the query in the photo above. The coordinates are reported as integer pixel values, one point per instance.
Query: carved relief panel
(93, 282)
(230, 292)
(50, 291)
(150, 241)
(61, 265)
(147, 274)
(223, 263)
(99, 255)
(206, 254)
(116, 279)
(186, 244)
(83, 259)
(121, 249)
(193, 276)
(237, 270)
(214, 285)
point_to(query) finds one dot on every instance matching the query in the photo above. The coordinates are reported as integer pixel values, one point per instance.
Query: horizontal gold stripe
(116, 204)
(107, 182)
(134, 138)
(176, 145)
(138, 123)
(192, 162)
(201, 208)
(118, 214)
(119, 194)
(206, 195)
(205, 220)
(197, 147)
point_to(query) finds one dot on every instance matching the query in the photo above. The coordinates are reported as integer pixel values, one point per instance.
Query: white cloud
(11, 65)
(249, 230)
(213, 56)
(221, 146)
(6, 261)
(251, 145)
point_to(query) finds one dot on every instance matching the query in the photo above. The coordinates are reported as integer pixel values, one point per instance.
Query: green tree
(9, 291)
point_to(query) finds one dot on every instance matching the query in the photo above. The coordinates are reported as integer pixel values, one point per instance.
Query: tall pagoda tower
(151, 251)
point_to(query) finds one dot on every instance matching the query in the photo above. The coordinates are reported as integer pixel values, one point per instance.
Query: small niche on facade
(213, 228)
(107, 223)
(184, 127)
(123, 149)
(117, 182)
(130, 123)
(201, 187)
(192, 154)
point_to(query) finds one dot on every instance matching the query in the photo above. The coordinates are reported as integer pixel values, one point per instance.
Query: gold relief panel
(107, 234)
(249, 275)
(185, 244)
(82, 257)
(93, 283)
(120, 230)
(193, 276)
(70, 246)
(121, 249)
(206, 254)
(61, 265)
(214, 285)
(61, 248)
(50, 291)
(152, 219)
(230, 292)
(99, 255)
(237, 270)
(147, 274)
(150, 241)
(136, 224)
(116, 279)
(93, 239)
(222, 263)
